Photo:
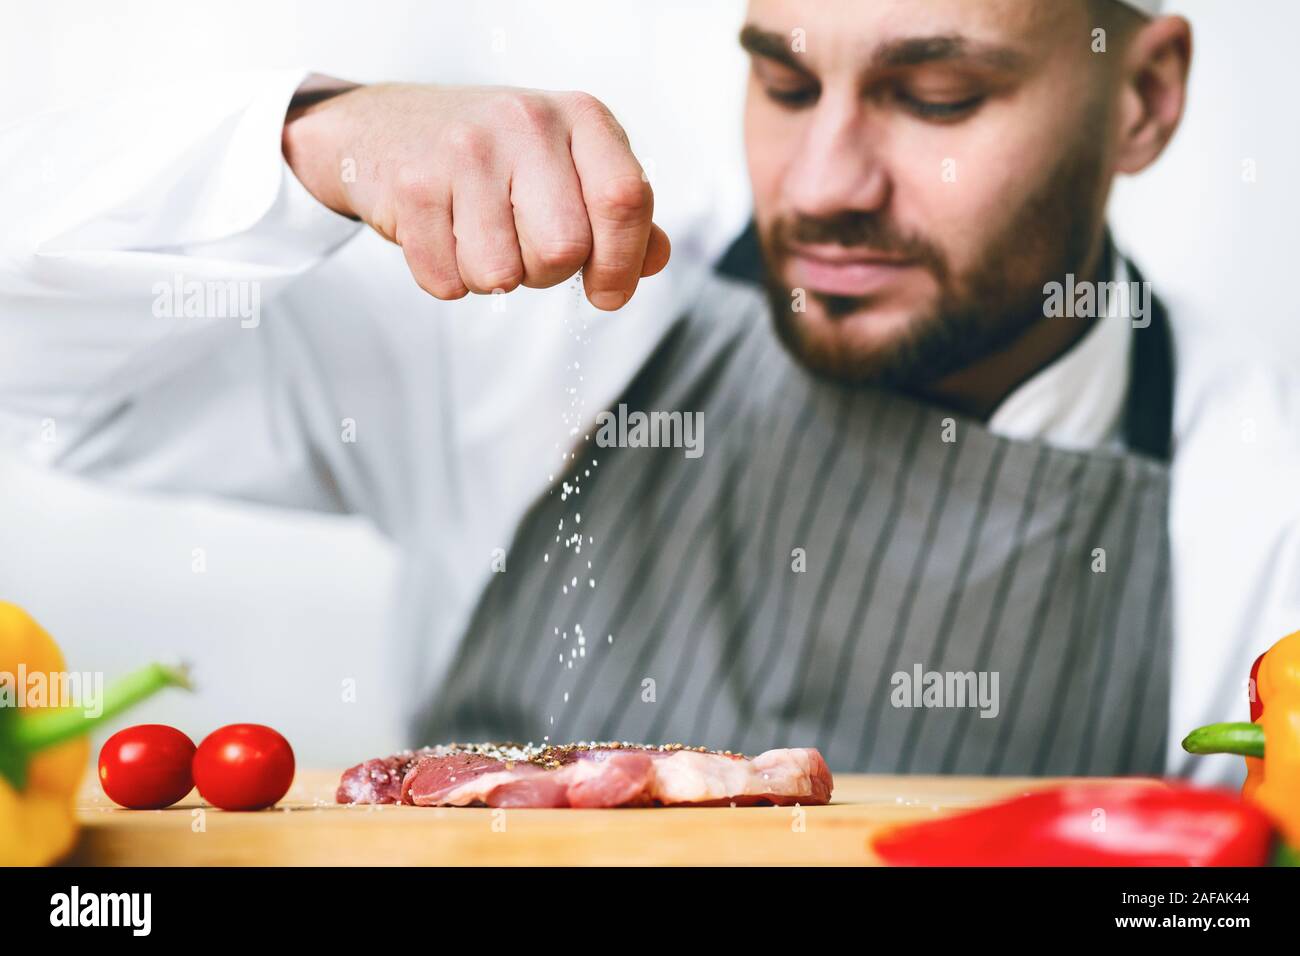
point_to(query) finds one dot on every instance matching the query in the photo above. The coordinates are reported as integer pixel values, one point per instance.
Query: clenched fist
(485, 188)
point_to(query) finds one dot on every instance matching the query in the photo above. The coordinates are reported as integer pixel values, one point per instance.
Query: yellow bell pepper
(1276, 784)
(43, 748)
(1271, 742)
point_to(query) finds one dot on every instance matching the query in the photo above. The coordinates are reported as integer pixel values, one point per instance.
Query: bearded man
(945, 507)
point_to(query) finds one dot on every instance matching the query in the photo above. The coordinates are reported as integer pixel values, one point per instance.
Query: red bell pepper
(1091, 824)
(1256, 702)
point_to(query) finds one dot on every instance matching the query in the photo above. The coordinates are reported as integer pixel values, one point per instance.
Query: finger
(620, 205)
(550, 216)
(483, 222)
(424, 232)
(658, 251)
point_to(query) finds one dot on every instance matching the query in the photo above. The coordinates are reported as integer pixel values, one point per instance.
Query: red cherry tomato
(146, 767)
(243, 767)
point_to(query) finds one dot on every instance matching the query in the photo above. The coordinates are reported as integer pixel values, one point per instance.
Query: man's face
(920, 169)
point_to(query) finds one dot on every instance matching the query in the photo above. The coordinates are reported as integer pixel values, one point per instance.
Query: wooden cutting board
(309, 829)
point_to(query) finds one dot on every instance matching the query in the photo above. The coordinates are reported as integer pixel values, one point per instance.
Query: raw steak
(588, 775)
(379, 780)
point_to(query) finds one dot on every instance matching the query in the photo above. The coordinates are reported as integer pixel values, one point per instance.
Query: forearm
(133, 279)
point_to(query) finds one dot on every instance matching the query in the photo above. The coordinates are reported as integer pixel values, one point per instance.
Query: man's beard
(977, 314)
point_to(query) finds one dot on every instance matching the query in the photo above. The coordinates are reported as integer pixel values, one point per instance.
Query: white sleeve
(144, 235)
(1235, 534)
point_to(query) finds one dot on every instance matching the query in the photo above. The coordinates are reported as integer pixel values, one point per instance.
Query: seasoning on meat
(609, 774)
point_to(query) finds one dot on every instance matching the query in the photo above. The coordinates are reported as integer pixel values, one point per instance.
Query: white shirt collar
(1077, 401)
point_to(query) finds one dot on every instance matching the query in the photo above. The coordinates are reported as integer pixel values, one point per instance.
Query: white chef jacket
(352, 390)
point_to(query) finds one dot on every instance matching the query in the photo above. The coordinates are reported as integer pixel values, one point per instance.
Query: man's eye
(792, 98)
(945, 110)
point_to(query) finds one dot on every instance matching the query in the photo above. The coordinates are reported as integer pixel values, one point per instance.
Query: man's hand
(485, 188)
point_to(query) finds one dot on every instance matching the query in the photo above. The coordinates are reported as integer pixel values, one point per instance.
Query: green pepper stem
(47, 728)
(1247, 740)
(1284, 855)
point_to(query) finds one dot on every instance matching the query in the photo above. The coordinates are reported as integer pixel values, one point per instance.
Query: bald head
(1119, 19)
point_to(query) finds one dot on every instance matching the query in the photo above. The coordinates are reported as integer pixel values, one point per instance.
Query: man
(930, 533)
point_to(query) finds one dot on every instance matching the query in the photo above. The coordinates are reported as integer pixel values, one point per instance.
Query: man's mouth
(839, 270)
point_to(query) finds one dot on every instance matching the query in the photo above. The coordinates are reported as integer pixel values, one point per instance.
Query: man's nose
(838, 166)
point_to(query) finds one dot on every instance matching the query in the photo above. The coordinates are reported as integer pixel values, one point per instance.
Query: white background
(289, 602)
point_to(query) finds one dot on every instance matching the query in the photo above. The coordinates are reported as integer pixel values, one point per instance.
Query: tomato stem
(47, 728)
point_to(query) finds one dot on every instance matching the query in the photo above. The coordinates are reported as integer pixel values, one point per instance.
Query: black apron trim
(743, 259)
(1149, 407)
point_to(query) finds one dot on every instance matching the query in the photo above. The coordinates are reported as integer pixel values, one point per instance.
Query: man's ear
(1154, 91)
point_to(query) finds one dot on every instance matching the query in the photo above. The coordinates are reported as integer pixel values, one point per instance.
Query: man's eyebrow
(773, 46)
(916, 51)
(893, 54)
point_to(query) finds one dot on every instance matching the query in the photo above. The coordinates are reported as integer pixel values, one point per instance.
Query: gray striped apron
(926, 563)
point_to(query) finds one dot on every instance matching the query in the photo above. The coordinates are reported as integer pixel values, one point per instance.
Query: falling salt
(571, 475)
